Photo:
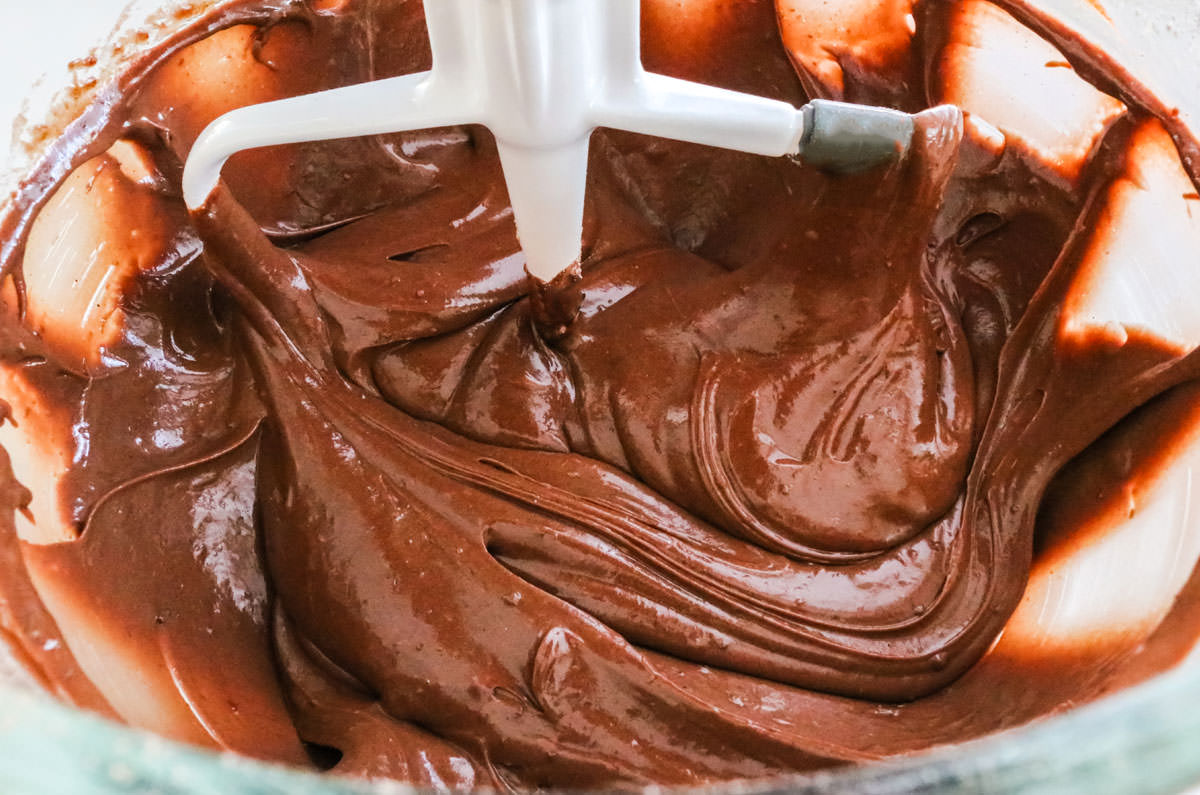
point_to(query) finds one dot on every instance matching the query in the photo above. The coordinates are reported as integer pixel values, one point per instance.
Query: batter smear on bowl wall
(821, 469)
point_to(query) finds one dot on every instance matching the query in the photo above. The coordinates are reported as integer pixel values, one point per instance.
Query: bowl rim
(1143, 739)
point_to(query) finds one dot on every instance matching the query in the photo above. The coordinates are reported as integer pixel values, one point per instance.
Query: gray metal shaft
(851, 138)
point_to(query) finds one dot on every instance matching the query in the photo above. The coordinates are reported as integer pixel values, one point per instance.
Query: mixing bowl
(1145, 740)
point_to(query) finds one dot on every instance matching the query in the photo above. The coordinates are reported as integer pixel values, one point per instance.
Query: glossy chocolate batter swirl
(341, 490)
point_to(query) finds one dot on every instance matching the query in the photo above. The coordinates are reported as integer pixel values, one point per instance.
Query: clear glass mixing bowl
(1144, 740)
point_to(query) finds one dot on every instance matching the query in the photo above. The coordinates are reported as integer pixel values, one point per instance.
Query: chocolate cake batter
(756, 492)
